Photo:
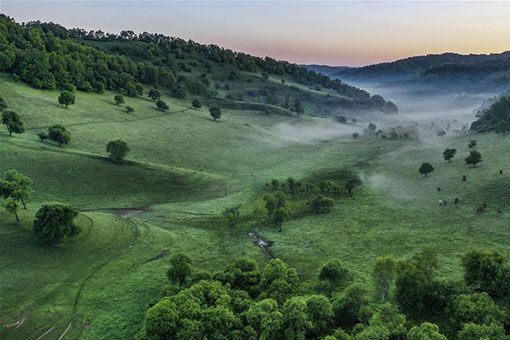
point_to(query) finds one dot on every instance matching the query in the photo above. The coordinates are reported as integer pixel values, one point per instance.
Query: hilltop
(49, 56)
(450, 72)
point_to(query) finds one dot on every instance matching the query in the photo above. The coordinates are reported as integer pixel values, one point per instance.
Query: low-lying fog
(423, 116)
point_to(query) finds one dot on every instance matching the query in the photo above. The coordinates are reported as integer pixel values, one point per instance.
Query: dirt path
(265, 245)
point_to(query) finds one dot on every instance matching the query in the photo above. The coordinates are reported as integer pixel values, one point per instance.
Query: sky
(352, 33)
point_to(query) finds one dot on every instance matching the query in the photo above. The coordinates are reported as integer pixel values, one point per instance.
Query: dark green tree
(119, 99)
(472, 144)
(16, 186)
(425, 169)
(54, 222)
(196, 104)
(12, 122)
(448, 154)
(59, 134)
(154, 94)
(180, 269)
(474, 158)
(12, 207)
(161, 105)
(66, 98)
(215, 113)
(129, 109)
(425, 331)
(321, 204)
(118, 149)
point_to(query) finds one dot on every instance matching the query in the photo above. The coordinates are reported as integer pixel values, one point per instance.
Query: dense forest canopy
(49, 56)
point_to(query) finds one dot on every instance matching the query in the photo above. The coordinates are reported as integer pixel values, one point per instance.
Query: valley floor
(183, 171)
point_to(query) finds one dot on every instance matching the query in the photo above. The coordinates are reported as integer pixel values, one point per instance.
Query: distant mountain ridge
(473, 72)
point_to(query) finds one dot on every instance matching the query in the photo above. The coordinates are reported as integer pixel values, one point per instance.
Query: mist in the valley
(429, 117)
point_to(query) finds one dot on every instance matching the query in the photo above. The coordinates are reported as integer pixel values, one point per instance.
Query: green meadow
(183, 170)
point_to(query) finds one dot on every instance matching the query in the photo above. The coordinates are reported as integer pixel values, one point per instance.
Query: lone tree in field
(448, 154)
(54, 222)
(16, 186)
(161, 105)
(12, 122)
(12, 207)
(426, 169)
(118, 149)
(66, 98)
(180, 268)
(372, 127)
(215, 113)
(119, 99)
(196, 104)
(129, 109)
(474, 158)
(472, 144)
(154, 94)
(43, 136)
(59, 134)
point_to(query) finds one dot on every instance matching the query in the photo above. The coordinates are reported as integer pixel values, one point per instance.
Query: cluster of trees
(247, 302)
(57, 133)
(53, 222)
(473, 158)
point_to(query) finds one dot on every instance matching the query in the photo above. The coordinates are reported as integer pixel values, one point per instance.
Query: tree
(425, 169)
(265, 318)
(348, 308)
(279, 216)
(232, 214)
(321, 204)
(12, 207)
(425, 331)
(294, 320)
(154, 94)
(66, 98)
(181, 268)
(54, 222)
(448, 154)
(476, 308)
(12, 122)
(298, 106)
(319, 314)
(332, 275)
(472, 331)
(161, 105)
(16, 186)
(119, 99)
(43, 136)
(383, 275)
(372, 127)
(291, 182)
(472, 144)
(196, 104)
(278, 281)
(349, 185)
(215, 113)
(487, 271)
(355, 135)
(474, 158)
(59, 134)
(180, 91)
(129, 109)
(118, 149)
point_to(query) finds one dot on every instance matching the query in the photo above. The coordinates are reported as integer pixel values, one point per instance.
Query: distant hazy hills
(448, 71)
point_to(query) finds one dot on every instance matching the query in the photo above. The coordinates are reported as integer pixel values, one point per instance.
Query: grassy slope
(185, 169)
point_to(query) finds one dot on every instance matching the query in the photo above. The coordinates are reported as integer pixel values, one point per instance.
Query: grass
(183, 170)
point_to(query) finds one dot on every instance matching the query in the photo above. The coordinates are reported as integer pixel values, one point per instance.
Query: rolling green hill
(183, 171)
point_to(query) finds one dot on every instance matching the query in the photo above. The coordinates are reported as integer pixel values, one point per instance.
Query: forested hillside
(49, 56)
(495, 118)
(451, 71)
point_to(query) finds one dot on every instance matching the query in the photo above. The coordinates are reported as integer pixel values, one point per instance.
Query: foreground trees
(59, 134)
(12, 122)
(54, 222)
